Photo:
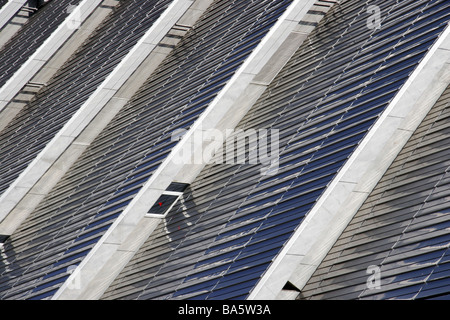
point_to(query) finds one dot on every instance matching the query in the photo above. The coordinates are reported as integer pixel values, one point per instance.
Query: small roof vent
(167, 200)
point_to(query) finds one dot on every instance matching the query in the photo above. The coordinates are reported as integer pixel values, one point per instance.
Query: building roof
(96, 204)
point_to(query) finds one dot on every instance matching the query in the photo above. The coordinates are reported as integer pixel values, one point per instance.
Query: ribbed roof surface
(84, 204)
(232, 222)
(403, 228)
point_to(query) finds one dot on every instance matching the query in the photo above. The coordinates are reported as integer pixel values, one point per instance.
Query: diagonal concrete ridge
(9, 10)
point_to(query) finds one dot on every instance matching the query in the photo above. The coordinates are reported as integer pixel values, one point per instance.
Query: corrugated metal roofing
(232, 221)
(32, 35)
(402, 228)
(79, 210)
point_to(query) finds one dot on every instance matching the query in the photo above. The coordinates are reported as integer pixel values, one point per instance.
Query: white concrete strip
(109, 256)
(344, 196)
(46, 51)
(9, 10)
